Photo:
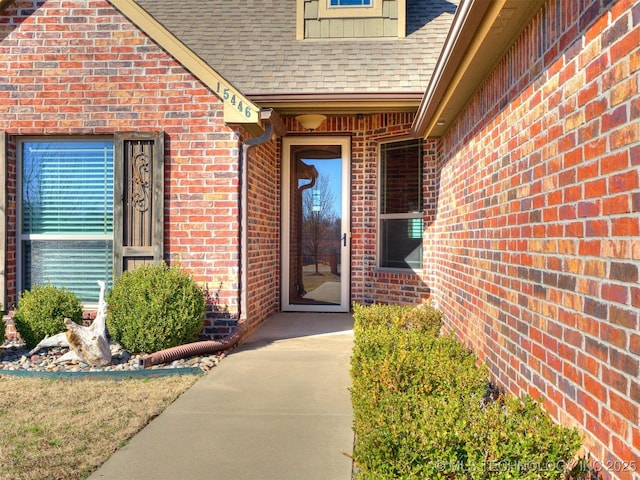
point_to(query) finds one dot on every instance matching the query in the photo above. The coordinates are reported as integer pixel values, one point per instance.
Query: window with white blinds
(400, 213)
(66, 208)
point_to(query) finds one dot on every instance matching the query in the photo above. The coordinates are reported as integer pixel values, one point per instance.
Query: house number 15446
(231, 98)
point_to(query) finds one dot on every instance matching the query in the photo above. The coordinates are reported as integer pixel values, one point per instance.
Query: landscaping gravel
(14, 357)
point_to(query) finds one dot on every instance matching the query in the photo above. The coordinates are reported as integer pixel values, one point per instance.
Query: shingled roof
(252, 44)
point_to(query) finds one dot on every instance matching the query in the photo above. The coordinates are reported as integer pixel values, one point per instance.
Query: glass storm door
(316, 222)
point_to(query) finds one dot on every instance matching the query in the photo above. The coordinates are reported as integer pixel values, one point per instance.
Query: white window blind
(67, 214)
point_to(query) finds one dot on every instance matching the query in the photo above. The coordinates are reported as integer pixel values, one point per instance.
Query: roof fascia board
(470, 26)
(342, 108)
(237, 108)
(348, 103)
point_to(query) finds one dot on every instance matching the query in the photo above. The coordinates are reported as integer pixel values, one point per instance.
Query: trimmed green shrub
(410, 393)
(424, 319)
(41, 311)
(421, 409)
(513, 438)
(155, 307)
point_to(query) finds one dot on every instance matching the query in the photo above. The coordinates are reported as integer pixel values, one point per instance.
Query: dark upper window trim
(326, 10)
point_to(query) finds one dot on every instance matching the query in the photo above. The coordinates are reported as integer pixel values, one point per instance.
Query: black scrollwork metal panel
(140, 183)
(139, 194)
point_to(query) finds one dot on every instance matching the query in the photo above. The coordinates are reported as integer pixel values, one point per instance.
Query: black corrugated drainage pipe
(240, 330)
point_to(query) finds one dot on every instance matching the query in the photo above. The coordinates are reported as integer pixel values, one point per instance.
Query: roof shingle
(253, 45)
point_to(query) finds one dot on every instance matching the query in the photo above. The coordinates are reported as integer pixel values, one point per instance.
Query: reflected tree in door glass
(316, 228)
(321, 224)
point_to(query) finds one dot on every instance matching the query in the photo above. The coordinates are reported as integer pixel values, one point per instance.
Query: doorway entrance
(316, 224)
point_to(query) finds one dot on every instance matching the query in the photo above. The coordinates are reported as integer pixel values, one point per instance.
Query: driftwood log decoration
(86, 344)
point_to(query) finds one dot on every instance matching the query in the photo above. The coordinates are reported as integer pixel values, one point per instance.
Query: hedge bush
(41, 311)
(154, 307)
(421, 408)
(513, 438)
(425, 319)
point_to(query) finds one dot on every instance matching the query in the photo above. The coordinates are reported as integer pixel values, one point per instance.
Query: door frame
(345, 249)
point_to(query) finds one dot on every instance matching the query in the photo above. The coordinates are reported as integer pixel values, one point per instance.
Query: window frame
(398, 216)
(124, 256)
(326, 10)
(362, 5)
(22, 237)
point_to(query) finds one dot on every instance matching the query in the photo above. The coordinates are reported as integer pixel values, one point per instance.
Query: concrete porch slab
(278, 407)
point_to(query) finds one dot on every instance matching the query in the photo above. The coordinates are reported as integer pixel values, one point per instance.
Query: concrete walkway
(276, 408)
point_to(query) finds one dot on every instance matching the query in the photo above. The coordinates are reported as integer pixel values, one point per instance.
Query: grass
(65, 428)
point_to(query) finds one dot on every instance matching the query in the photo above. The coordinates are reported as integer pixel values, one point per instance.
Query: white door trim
(345, 264)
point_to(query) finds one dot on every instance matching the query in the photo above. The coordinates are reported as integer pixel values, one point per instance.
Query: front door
(316, 224)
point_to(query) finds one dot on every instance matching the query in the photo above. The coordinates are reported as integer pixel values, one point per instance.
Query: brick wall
(88, 71)
(263, 233)
(536, 244)
(369, 284)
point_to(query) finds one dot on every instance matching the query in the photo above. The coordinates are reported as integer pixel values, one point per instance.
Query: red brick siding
(264, 233)
(536, 245)
(369, 284)
(90, 72)
(80, 68)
